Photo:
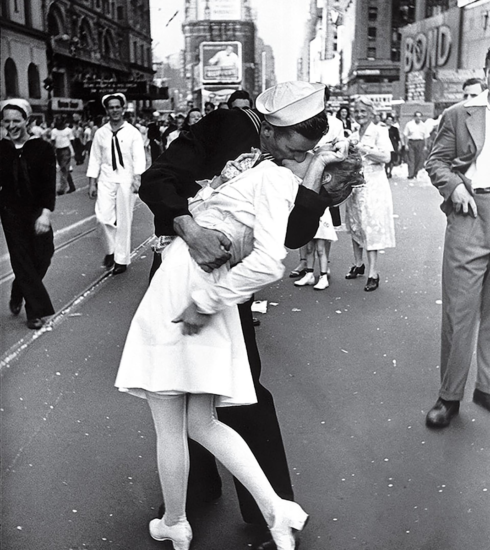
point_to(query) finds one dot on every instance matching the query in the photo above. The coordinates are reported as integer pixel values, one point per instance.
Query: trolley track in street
(16, 349)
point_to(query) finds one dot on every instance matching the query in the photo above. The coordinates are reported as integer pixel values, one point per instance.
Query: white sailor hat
(117, 95)
(291, 102)
(19, 104)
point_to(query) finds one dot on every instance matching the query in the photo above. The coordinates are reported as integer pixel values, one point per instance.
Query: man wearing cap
(27, 198)
(288, 122)
(117, 160)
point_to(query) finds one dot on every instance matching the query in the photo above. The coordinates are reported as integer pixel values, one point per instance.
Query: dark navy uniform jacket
(201, 153)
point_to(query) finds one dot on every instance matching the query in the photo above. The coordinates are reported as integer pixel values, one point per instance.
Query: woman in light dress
(369, 210)
(185, 351)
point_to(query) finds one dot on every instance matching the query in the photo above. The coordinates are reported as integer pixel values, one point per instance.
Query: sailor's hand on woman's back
(207, 247)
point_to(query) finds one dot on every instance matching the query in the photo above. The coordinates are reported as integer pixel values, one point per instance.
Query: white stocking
(231, 450)
(169, 416)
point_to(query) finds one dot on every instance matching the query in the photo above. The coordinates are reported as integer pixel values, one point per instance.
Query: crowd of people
(230, 190)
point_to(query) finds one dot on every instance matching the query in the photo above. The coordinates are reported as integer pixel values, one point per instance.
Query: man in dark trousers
(289, 121)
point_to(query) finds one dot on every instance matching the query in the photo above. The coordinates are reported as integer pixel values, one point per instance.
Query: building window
(135, 52)
(5, 9)
(120, 13)
(371, 53)
(11, 78)
(58, 84)
(85, 34)
(28, 13)
(435, 7)
(55, 21)
(373, 13)
(108, 49)
(406, 12)
(372, 33)
(34, 82)
(142, 54)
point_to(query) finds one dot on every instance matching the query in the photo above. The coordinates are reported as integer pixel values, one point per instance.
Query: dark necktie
(113, 150)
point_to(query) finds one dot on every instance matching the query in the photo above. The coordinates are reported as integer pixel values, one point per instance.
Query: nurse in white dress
(369, 210)
(186, 370)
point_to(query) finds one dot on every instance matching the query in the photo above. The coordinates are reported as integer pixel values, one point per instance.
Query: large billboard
(221, 62)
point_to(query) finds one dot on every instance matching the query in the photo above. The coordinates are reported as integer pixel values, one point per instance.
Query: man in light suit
(459, 166)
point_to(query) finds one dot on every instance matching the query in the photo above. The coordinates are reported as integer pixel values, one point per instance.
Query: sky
(280, 24)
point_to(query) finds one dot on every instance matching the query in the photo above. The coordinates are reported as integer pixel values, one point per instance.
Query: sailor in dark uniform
(288, 121)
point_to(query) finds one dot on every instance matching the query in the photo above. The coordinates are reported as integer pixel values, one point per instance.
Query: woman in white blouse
(369, 210)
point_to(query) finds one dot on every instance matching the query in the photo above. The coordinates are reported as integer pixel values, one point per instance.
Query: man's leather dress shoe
(119, 268)
(35, 324)
(355, 270)
(15, 306)
(481, 398)
(108, 261)
(442, 413)
(269, 544)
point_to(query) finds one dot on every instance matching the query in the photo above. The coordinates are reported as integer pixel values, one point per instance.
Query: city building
(442, 50)
(321, 55)
(23, 51)
(221, 53)
(372, 45)
(80, 49)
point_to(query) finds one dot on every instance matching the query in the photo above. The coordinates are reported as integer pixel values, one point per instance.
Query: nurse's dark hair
(487, 58)
(347, 174)
(313, 128)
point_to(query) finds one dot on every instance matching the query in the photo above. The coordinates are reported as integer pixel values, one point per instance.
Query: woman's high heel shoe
(289, 520)
(354, 271)
(372, 284)
(180, 534)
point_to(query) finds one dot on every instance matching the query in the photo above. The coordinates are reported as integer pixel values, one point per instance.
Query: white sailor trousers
(114, 212)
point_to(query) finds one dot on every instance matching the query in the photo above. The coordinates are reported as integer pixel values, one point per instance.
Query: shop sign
(66, 104)
(382, 102)
(432, 43)
(368, 72)
(101, 87)
(427, 50)
(221, 62)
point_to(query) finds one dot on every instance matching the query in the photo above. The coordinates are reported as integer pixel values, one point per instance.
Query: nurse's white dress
(252, 210)
(369, 209)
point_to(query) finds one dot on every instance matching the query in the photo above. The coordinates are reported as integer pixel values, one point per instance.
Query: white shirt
(415, 131)
(62, 138)
(252, 210)
(479, 171)
(36, 130)
(376, 137)
(133, 154)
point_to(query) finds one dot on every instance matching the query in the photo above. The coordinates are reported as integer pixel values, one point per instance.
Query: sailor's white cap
(292, 102)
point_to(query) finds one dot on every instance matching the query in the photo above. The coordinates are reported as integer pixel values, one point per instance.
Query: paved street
(353, 375)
